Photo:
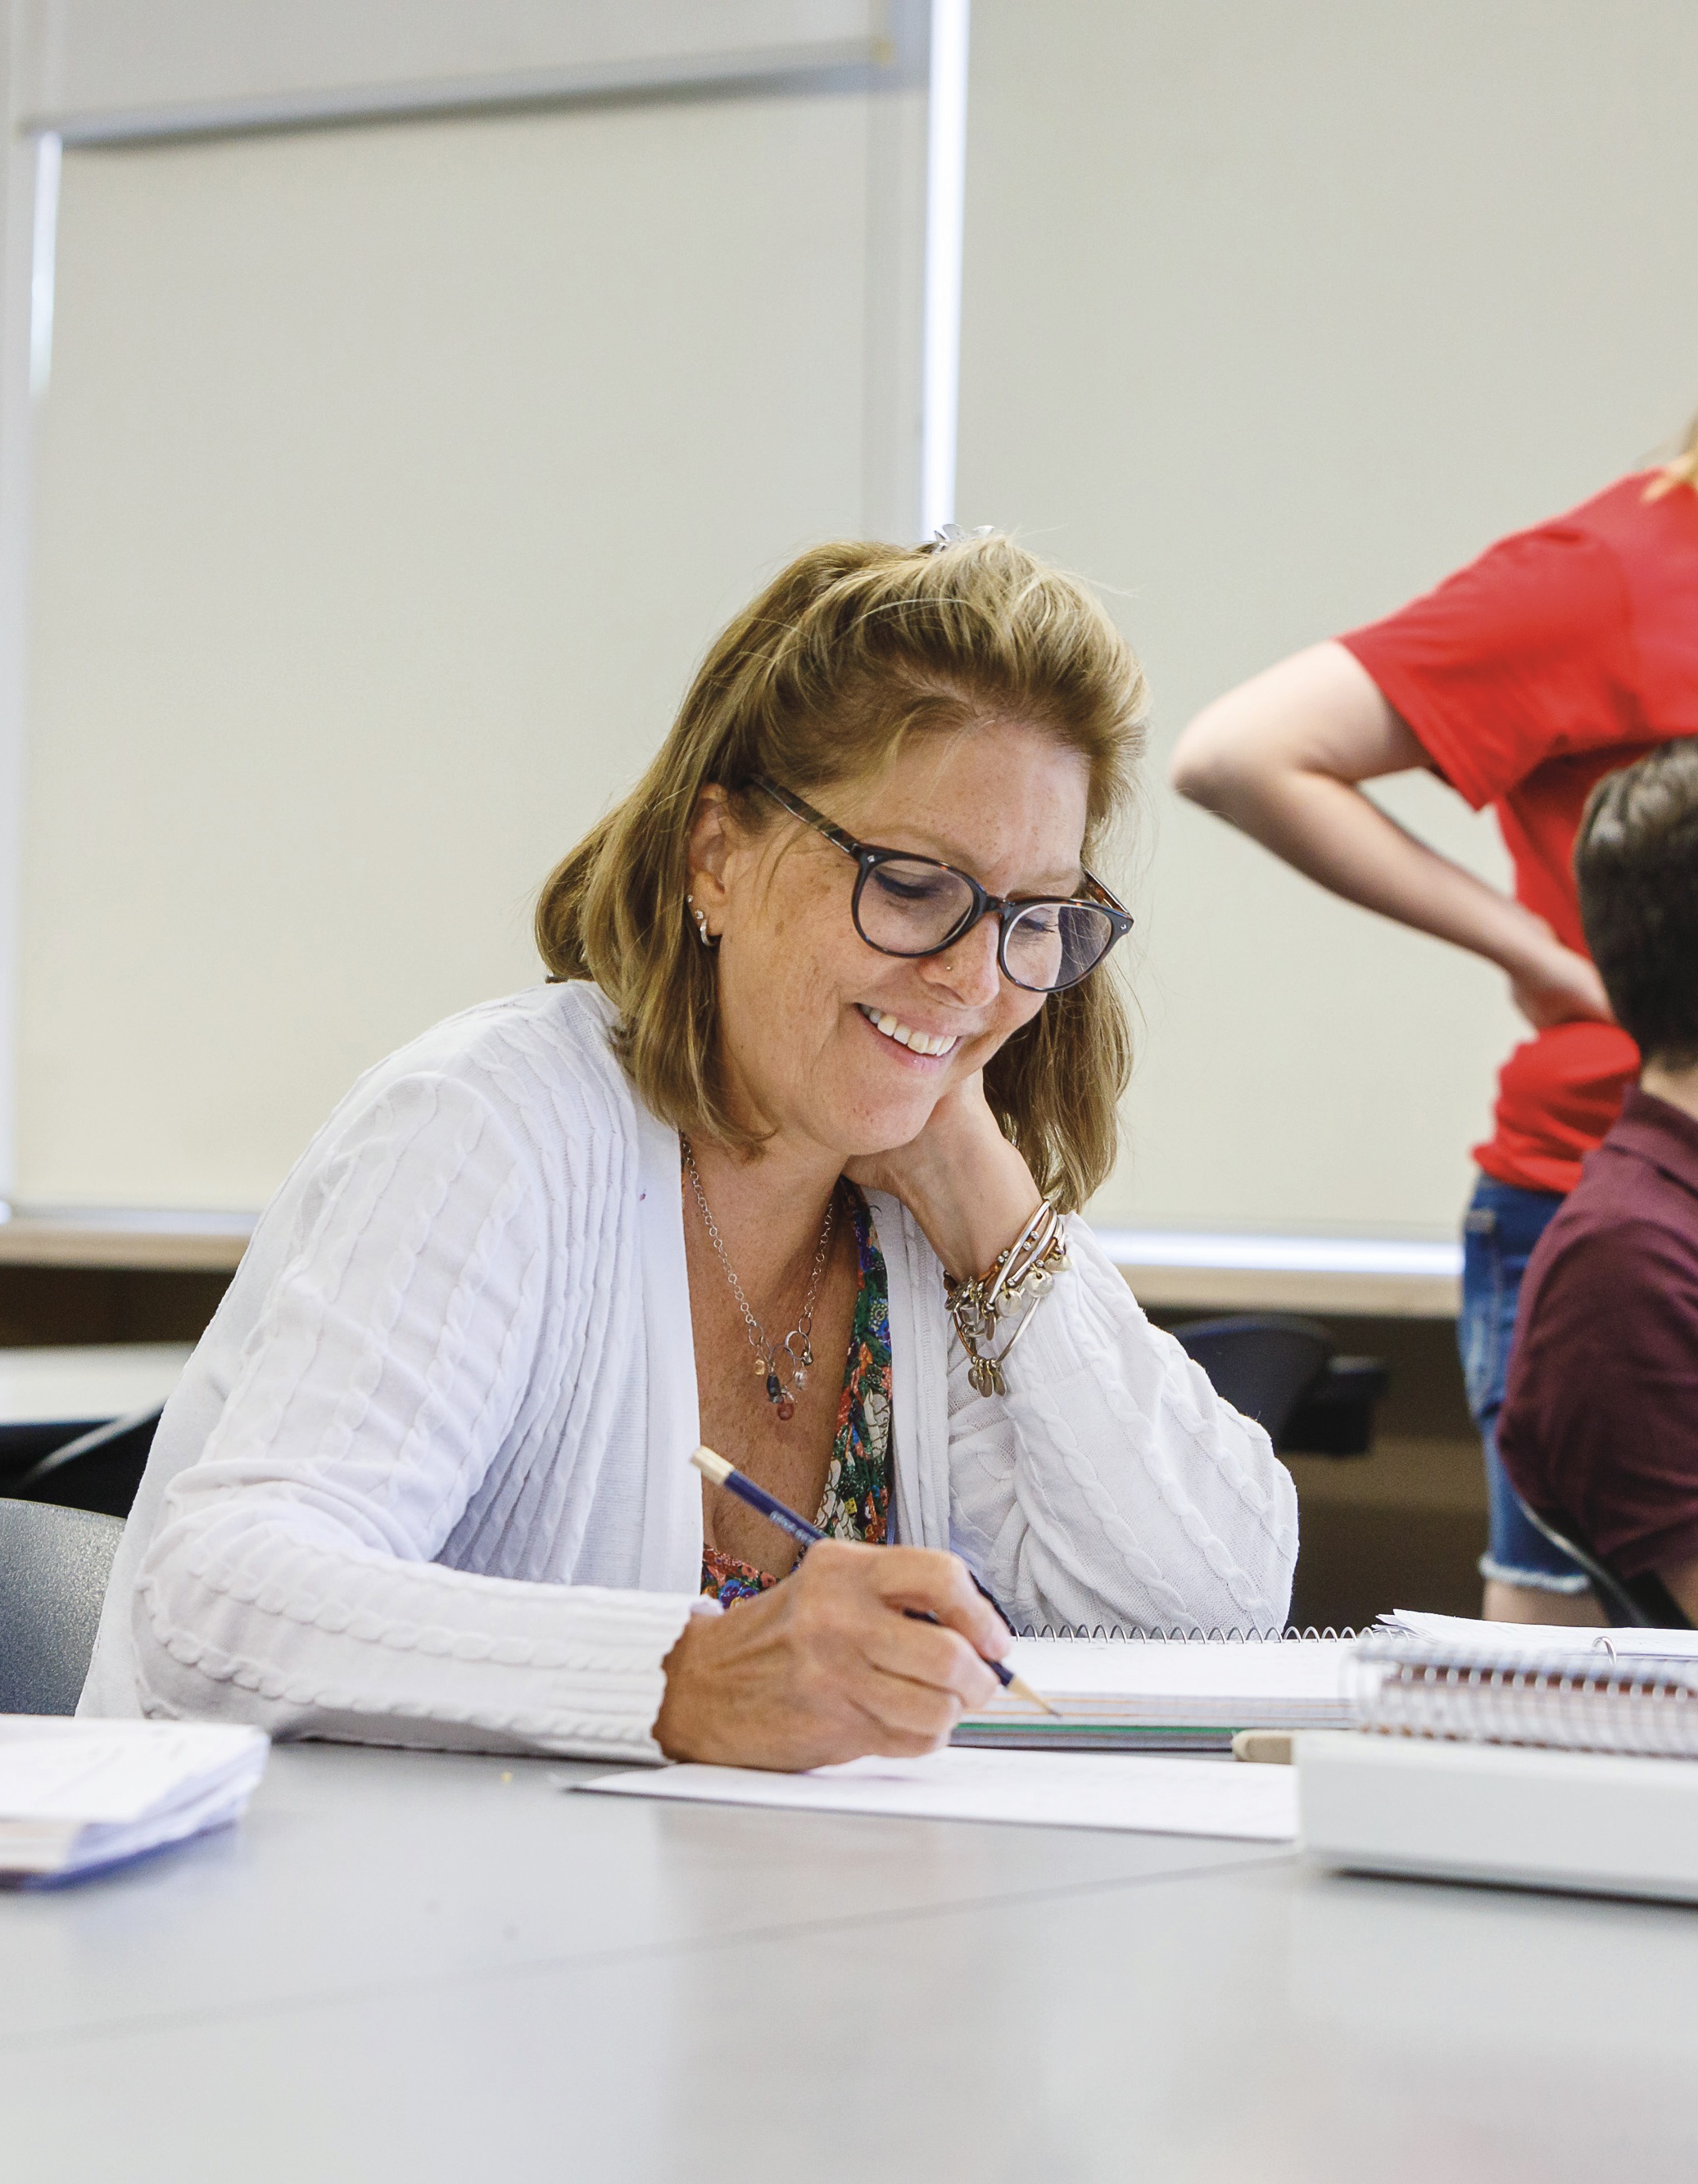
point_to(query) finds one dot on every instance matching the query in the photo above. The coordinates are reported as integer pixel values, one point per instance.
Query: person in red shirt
(1562, 654)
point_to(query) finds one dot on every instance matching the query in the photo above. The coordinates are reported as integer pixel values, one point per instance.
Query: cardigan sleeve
(292, 1580)
(1111, 1485)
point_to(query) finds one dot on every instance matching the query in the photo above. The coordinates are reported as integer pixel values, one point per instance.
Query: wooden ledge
(183, 1243)
(1167, 1270)
(1388, 1279)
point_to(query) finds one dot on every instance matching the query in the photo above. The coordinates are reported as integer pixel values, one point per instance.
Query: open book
(77, 1797)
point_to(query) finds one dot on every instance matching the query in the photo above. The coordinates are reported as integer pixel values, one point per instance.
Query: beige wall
(390, 481)
(392, 477)
(1275, 311)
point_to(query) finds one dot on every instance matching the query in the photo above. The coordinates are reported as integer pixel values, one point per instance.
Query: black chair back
(99, 1470)
(55, 1564)
(1631, 1603)
(1263, 1364)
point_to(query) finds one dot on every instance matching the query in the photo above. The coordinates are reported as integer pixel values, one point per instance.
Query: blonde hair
(1683, 471)
(854, 649)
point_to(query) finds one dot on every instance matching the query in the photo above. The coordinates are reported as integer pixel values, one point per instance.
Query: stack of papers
(1144, 1695)
(77, 1797)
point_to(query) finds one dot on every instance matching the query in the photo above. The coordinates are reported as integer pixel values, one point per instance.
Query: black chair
(1263, 1364)
(99, 1471)
(1280, 1370)
(1335, 1417)
(1631, 1603)
(55, 1564)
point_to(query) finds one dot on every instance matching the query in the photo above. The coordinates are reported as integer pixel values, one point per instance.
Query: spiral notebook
(1585, 1694)
(1546, 1764)
(1179, 1691)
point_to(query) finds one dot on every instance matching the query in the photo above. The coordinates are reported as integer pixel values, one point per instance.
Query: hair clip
(952, 534)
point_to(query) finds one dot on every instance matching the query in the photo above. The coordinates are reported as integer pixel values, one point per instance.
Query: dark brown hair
(1636, 860)
(854, 647)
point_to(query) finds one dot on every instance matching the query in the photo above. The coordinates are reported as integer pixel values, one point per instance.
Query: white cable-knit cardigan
(425, 1479)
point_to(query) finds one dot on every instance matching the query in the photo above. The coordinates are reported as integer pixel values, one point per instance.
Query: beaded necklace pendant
(766, 1357)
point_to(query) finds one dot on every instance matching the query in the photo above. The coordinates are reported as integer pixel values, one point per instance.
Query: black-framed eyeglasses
(913, 907)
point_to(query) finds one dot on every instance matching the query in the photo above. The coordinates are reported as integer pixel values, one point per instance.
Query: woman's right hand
(827, 1667)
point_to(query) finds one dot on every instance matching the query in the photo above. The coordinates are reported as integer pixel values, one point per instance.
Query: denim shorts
(1503, 1225)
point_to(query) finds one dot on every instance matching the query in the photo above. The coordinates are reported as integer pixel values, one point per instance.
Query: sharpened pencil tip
(1022, 1689)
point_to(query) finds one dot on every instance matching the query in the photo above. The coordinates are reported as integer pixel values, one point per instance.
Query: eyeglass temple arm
(1109, 899)
(798, 810)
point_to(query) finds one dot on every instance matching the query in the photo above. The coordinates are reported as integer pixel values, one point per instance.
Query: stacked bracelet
(1016, 1283)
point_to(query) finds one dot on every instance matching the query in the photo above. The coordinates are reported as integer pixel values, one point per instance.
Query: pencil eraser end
(712, 1467)
(1271, 1748)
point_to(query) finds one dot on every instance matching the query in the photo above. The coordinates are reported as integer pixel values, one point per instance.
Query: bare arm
(1282, 757)
(1682, 1580)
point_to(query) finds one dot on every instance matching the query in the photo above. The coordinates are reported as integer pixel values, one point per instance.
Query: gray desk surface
(419, 1968)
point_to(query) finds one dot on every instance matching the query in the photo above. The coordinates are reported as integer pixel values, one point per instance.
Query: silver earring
(707, 939)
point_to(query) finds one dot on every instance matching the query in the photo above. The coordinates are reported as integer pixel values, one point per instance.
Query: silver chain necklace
(766, 1357)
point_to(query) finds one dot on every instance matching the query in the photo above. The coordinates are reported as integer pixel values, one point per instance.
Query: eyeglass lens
(910, 906)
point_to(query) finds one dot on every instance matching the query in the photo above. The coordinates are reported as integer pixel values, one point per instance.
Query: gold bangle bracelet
(978, 1306)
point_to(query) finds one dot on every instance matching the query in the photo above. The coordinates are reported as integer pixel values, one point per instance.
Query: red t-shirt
(1562, 654)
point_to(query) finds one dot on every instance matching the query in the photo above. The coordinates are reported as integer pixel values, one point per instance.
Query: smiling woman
(897, 677)
(829, 1056)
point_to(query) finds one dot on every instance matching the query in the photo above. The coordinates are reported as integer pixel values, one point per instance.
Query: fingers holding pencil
(862, 1651)
(922, 1583)
(822, 1668)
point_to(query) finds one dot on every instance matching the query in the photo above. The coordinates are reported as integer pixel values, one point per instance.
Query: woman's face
(802, 995)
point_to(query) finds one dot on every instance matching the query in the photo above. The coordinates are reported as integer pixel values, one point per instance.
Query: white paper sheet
(1541, 1637)
(1192, 1796)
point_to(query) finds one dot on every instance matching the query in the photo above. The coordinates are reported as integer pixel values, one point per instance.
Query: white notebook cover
(1597, 1823)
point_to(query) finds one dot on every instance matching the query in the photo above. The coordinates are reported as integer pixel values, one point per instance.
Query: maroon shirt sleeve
(1599, 1425)
(1524, 655)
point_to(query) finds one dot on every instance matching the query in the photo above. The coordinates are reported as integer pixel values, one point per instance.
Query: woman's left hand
(962, 1180)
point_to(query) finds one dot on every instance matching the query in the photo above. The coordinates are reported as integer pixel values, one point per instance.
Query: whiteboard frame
(88, 72)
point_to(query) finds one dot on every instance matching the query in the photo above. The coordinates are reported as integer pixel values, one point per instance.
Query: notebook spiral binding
(1237, 1633)
(1634, 1704)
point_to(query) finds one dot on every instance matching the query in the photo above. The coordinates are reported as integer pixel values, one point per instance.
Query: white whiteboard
(1277, 310)
(390, 483)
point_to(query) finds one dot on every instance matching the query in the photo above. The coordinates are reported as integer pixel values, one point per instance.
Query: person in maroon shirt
(1599, 1431)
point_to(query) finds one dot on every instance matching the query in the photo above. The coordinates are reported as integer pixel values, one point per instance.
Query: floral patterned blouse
(856, 1501)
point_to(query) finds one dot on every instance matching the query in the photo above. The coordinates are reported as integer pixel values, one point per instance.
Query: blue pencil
(715, 1469)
